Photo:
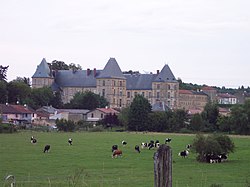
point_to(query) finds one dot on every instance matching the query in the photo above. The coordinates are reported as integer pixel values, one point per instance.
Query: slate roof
(42, 70)
(111, 70)
(140, 81)
(78, 78)
(165, 75)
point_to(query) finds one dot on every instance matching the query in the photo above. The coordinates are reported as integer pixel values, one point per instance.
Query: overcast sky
(203, 41)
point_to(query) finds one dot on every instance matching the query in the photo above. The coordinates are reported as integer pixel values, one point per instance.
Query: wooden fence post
(163, 166)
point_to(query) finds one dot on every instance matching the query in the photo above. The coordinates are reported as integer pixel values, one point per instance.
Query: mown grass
(88, 162)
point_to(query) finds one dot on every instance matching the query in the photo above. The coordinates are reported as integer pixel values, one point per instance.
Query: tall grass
(88, 161)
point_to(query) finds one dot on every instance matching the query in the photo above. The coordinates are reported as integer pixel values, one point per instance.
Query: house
(226, 98)
(100, 113)
(17, 114)
(47, 115)
(211, 92)
(117, 87)
(194, 101)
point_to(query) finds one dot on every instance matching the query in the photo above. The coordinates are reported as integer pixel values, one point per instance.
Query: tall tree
(58, 65)
(210, 115)
(41, 97)
(18, 92)
(3, 72)
(25, 80)
(87, 100)
(3, 92)
(138, 113)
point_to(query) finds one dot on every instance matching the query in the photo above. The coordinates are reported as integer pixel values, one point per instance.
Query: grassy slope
(90, 156)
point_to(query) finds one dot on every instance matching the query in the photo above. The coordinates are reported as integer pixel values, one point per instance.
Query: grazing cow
(143, 145)
(46, 148)
(114, 147)
(151, 144)
(117, 153)
(33, 140)
(223, 157)
(137, 148)
(70, 141)
(188, 146)
(184, 153)
(168, 140)
(157, 145)
(124, 143)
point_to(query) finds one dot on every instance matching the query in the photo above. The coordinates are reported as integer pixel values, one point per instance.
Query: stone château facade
(117, 87)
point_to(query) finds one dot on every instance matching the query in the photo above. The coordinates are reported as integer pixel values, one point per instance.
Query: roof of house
(42, 70)
(78, 78)
(87, 78)
(165, 75)
(139, 81)
(15, 109)
(192, 92)
(107, 110)
(111, 70)
(225, 95)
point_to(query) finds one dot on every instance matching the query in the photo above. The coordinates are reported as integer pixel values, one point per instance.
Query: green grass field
(88, 162)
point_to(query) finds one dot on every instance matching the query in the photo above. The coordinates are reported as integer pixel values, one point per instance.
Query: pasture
(88, 161)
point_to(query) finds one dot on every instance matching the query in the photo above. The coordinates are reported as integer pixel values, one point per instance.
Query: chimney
(158, 71)
(94, 72)
(88, 72)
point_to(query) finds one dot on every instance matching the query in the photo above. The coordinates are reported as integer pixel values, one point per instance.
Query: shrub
(212, 144)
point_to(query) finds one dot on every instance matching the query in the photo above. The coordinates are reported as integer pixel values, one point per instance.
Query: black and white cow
(33, 140)
(168, 140)
(124, 143)
(70, 141)
(144, 145)
(114, 147)
(184, 153)
(137, 148)
(46, 148)
(214, 158)
(188, 146)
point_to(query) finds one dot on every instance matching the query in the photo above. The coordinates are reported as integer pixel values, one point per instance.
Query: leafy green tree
(123, 117)
(157, 121)
(74, 66)
(41, 97)
(212, 144)
(138, 113)
(87, 100)
(110, 120)
(240, 117)
(179, 117)
(25, 80)
(224, 123)
(3, 72)
(3, 92)
(65, 125)
(210, 115)
(58, 65)
(56, 101)
(18, 92)
(196, 123)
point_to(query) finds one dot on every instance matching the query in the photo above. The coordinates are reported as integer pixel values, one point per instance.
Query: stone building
(117, 87)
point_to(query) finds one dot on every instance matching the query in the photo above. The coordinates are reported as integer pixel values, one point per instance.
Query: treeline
(139, 117)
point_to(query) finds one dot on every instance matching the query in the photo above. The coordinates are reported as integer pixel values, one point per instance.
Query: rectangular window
(158, 95)
(103, 83)
(103, 92)
(120, 102)
(149, 94)
(143, 94)
(158, 86)
(120, 83)
(128, 94)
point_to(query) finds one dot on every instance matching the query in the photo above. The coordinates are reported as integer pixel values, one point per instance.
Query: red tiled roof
(208, 88)
(185, 92)
(107, 110)
(14, 109)
(226, 95)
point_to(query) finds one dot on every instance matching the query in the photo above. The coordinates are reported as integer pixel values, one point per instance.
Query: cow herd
(116, 152)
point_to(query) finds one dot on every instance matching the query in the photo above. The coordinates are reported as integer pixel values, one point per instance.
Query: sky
(202, 41)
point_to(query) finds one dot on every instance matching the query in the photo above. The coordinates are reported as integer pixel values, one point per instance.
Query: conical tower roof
(165, 75)
(111, 70)
(42, 70)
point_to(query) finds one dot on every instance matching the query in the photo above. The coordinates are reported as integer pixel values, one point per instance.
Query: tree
(212, 144)
(74, 66)
(87, 100)
(23, 79)
(18, 92)
(3, 92)
(58, 65)
(157, 121)
(196, 123)
(40, 97)
(210, 115)
(3, 72)
(110, 120)
(138, 113)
